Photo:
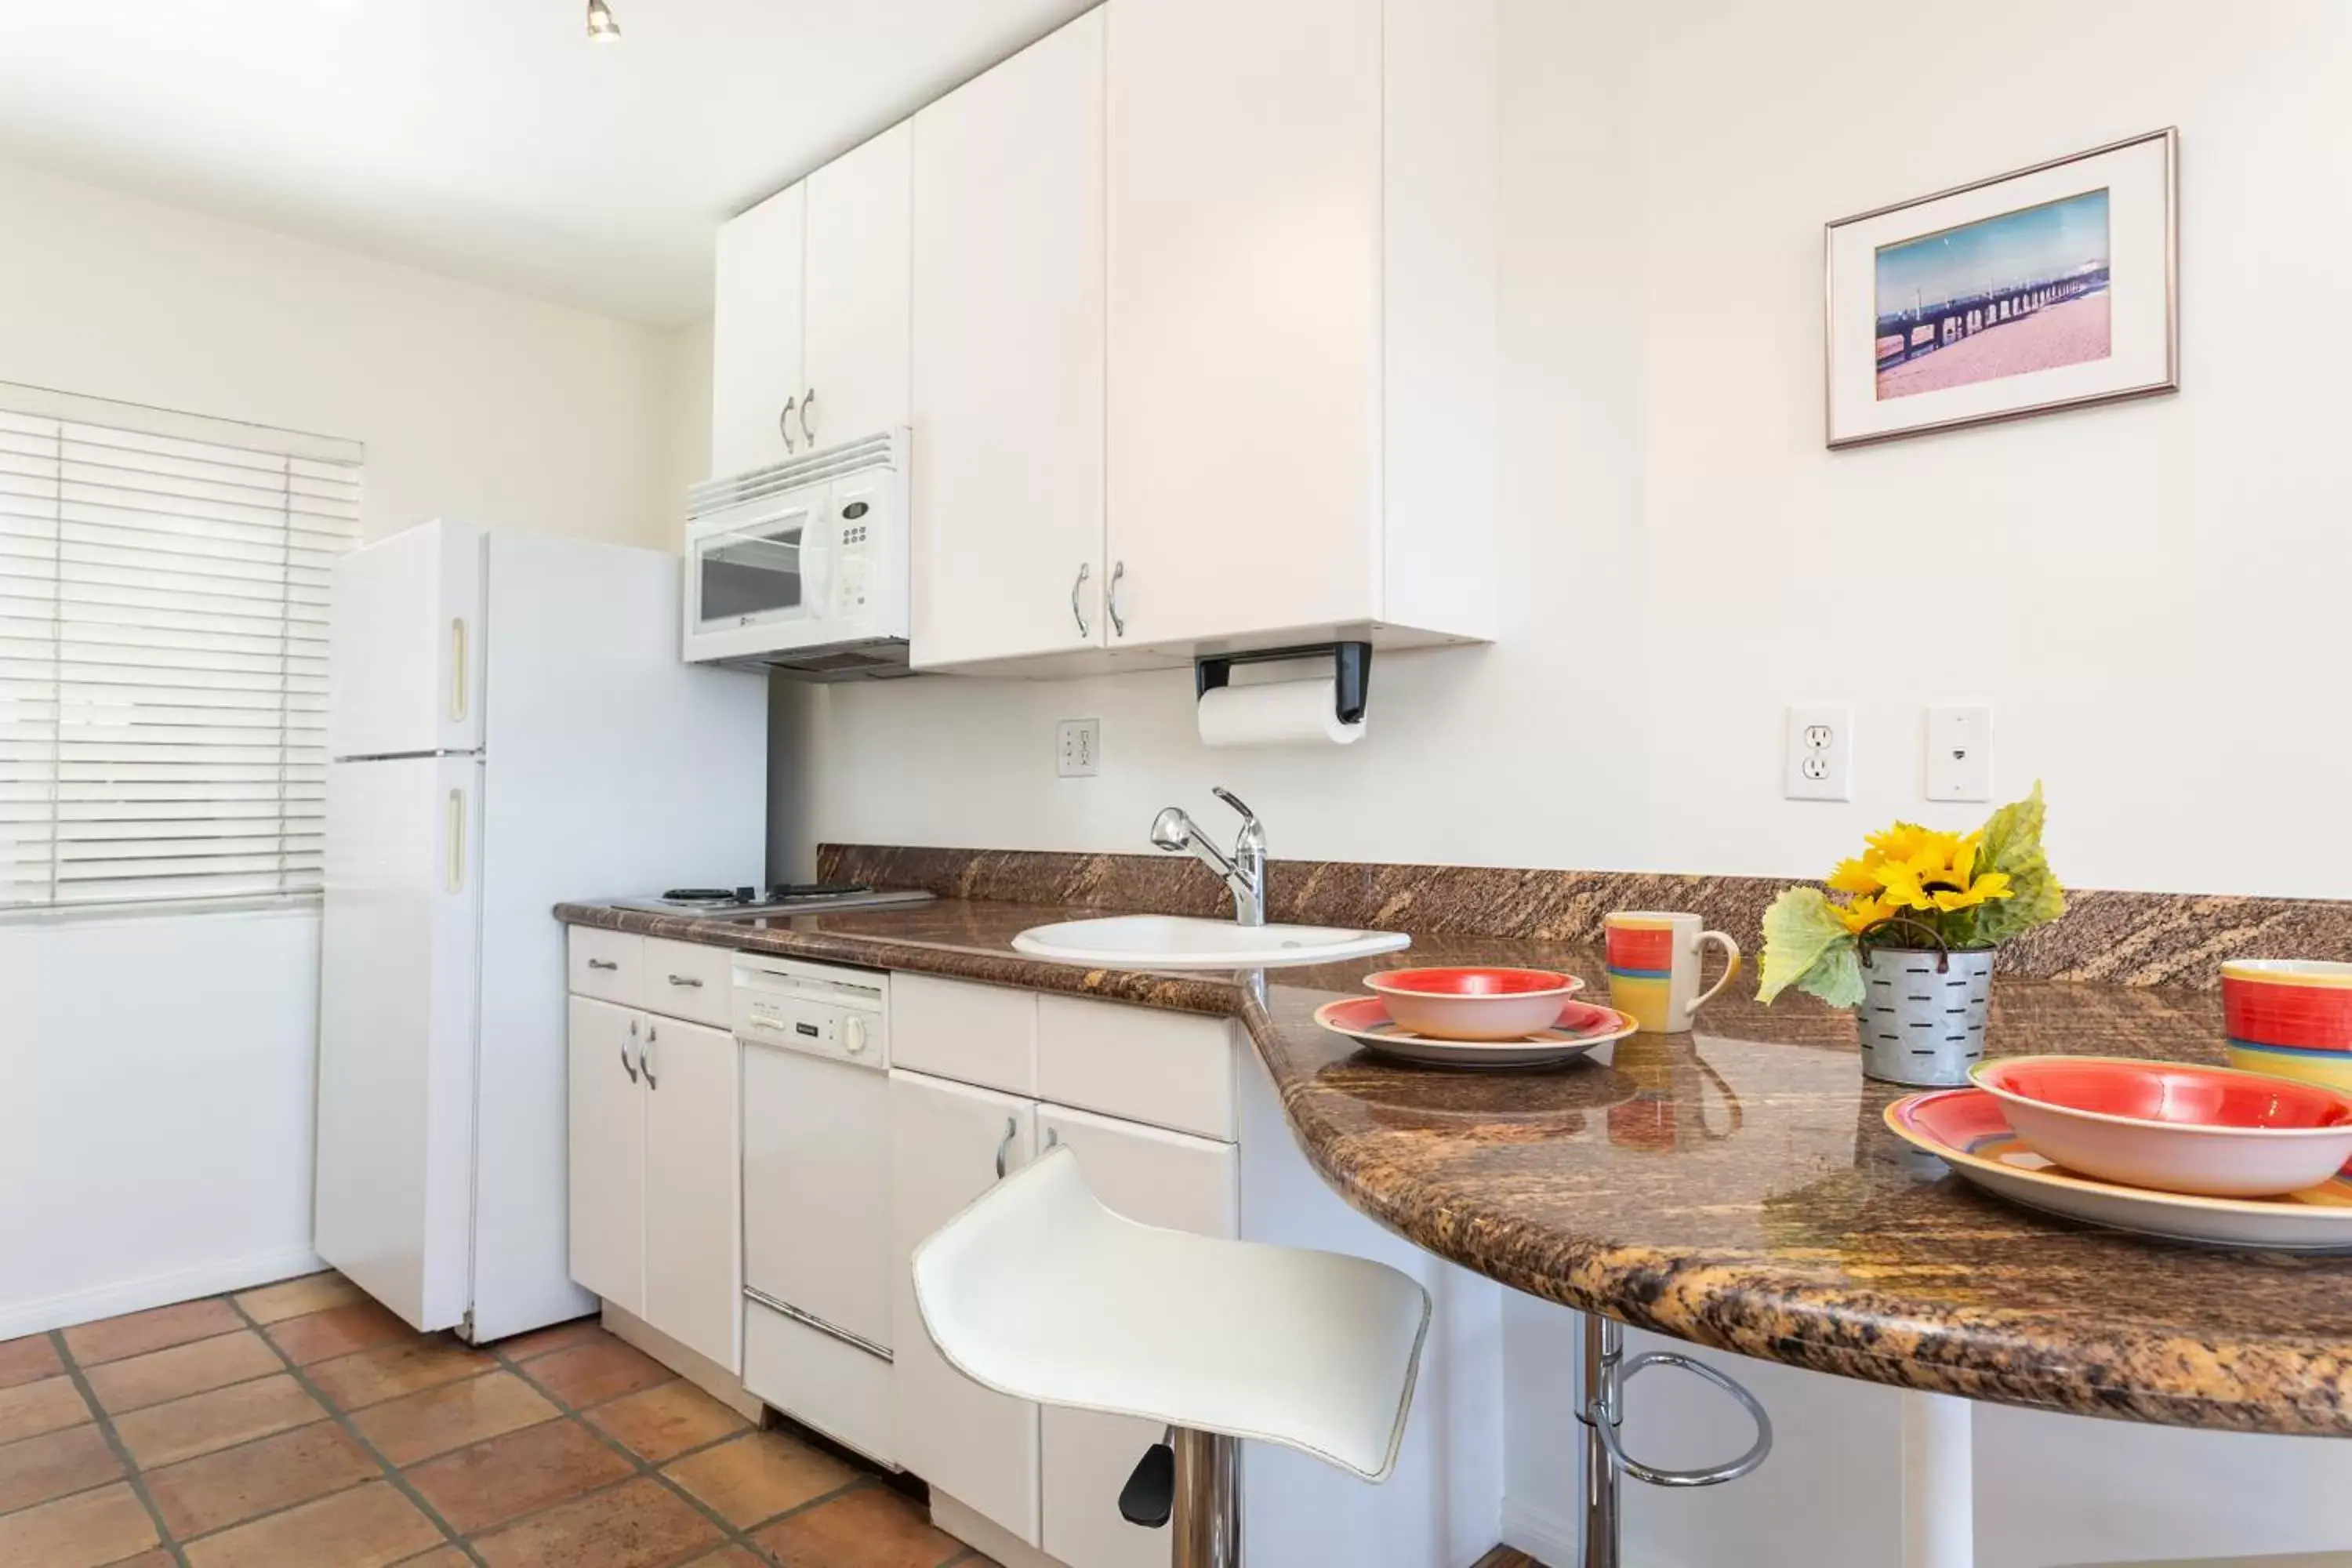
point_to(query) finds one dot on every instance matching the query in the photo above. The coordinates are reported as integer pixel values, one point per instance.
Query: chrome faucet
(1244, 873)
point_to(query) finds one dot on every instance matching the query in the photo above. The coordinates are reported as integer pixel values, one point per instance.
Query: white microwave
(803, 567)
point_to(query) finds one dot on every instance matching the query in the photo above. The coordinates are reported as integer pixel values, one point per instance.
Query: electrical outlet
(1960, 754)
(1078, 749)
(1820, 753)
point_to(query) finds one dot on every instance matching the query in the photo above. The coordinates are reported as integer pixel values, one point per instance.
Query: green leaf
(2013, 843)
(1836, 979)
(1800, 930)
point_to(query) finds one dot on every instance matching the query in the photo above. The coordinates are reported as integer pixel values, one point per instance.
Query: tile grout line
(730, 1534)
(400, 1483)
(132, 1474)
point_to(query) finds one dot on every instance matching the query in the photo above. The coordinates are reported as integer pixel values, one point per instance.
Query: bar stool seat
(1038, 1291)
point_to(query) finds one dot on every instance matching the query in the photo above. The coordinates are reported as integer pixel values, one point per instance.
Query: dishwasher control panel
(816, 1009)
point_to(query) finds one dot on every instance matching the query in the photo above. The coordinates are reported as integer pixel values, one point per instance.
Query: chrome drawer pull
(682, 980)
(602, 963)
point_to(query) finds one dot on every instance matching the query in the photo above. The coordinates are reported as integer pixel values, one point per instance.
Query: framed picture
(2050, 288)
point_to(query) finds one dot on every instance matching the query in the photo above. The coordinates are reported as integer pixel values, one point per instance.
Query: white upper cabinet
(859, 213)
(1008, 358)
(755, 335)
(1301, 301)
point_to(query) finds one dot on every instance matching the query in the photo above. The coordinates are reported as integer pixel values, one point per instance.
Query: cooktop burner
(786, 897)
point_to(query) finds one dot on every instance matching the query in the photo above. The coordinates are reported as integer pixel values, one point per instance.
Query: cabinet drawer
(1168, 1070)
(608, 965)
(687, 980)
(985, 1034)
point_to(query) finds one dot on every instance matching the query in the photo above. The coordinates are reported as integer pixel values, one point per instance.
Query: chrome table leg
(1603, 1371)
(1939, 1482)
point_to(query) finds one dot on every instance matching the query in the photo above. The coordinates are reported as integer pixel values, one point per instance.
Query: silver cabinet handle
(1076, 614)
(683, 980)
(808, 418)
(627, 1066)
(645, 1055)
(1004, 1145)
(784, 424)
(608, 964)
(1110, 600)
(457, 840)
(1053, 1136)
(458, 682)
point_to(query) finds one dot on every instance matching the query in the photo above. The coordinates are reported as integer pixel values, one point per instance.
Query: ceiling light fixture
(601, 29)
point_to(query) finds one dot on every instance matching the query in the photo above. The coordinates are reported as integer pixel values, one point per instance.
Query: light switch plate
(1078, 749)
(1960, 754)
(1820, 753)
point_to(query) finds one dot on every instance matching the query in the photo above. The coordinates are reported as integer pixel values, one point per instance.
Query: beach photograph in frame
(2050, 288)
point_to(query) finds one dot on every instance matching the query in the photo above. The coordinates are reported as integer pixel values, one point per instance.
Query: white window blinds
(162, 652)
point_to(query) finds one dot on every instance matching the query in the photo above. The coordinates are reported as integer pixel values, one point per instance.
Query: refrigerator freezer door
(406, 646)
(399, 956)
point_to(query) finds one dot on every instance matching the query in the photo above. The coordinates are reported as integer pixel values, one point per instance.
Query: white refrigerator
(510, 726)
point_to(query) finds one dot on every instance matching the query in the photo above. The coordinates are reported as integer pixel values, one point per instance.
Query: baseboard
(691, 1364)
(1548, 1537)
(155, 1291)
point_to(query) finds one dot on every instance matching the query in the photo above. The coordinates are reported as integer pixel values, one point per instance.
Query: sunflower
(1936, 872)
(1863, 912)
(1859, 876)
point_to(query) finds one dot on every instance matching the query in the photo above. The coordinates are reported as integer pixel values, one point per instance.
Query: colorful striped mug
(1653, 968)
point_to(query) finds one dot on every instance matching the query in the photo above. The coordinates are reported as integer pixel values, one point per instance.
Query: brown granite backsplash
(2122, 937)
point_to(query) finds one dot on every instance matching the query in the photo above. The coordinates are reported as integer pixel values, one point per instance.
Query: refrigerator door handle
(457, 840)
(458, 683)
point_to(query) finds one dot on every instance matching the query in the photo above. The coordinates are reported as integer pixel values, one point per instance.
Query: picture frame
(2046, 288)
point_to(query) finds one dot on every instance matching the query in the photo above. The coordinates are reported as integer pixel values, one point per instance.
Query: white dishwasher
(816, 1234)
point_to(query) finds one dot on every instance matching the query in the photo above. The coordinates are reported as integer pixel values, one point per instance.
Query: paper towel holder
(1351, 671)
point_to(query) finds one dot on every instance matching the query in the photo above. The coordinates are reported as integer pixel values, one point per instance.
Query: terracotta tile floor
(300, 1425)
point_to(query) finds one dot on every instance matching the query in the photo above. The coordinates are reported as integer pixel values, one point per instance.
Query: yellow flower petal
(1860, 876)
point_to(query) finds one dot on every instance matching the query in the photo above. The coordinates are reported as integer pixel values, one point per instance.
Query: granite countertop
(1734, 1187)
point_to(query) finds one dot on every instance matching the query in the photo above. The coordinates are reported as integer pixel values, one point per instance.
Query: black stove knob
(747, 895)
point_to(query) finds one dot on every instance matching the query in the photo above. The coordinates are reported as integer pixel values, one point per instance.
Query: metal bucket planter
(1922, 1017)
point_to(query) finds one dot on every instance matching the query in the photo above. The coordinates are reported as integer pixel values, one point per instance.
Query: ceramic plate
(1579, 1028)
(1965, 1128)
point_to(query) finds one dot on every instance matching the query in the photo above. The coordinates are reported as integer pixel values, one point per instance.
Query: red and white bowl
(2172, 1126)
(2288, 1004)
(1474, 1002)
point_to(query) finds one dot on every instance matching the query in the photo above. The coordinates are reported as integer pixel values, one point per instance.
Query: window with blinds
(162, 652)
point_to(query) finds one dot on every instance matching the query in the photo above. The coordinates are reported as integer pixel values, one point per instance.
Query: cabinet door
(1244, 325)
(859, 246)
(1008, 357)
(607, 1157)
(694, 1281)
(755, 334)
(947, 1142)
(1160, 1178)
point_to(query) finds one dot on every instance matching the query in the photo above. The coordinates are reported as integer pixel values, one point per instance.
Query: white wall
(155, 1129)
(475, 404)
(155, 1132)
(1684, 559)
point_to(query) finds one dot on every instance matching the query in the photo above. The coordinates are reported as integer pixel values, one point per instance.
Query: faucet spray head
(1171, 829)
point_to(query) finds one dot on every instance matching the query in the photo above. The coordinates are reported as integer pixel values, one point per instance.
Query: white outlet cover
(1820, 753)
(1960, 754)
(1077, 748)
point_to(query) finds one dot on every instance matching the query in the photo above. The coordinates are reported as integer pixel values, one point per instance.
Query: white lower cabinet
(655, 1172)
(608, 1151)
(1160, 1178)
(948, 1143)
(694, 1287)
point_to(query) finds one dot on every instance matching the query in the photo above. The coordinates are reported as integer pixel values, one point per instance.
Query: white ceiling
(486, 139)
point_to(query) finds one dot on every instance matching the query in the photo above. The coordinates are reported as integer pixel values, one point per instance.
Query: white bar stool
(1038, 1291)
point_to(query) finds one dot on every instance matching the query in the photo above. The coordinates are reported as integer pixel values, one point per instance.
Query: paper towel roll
(1277, 713)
